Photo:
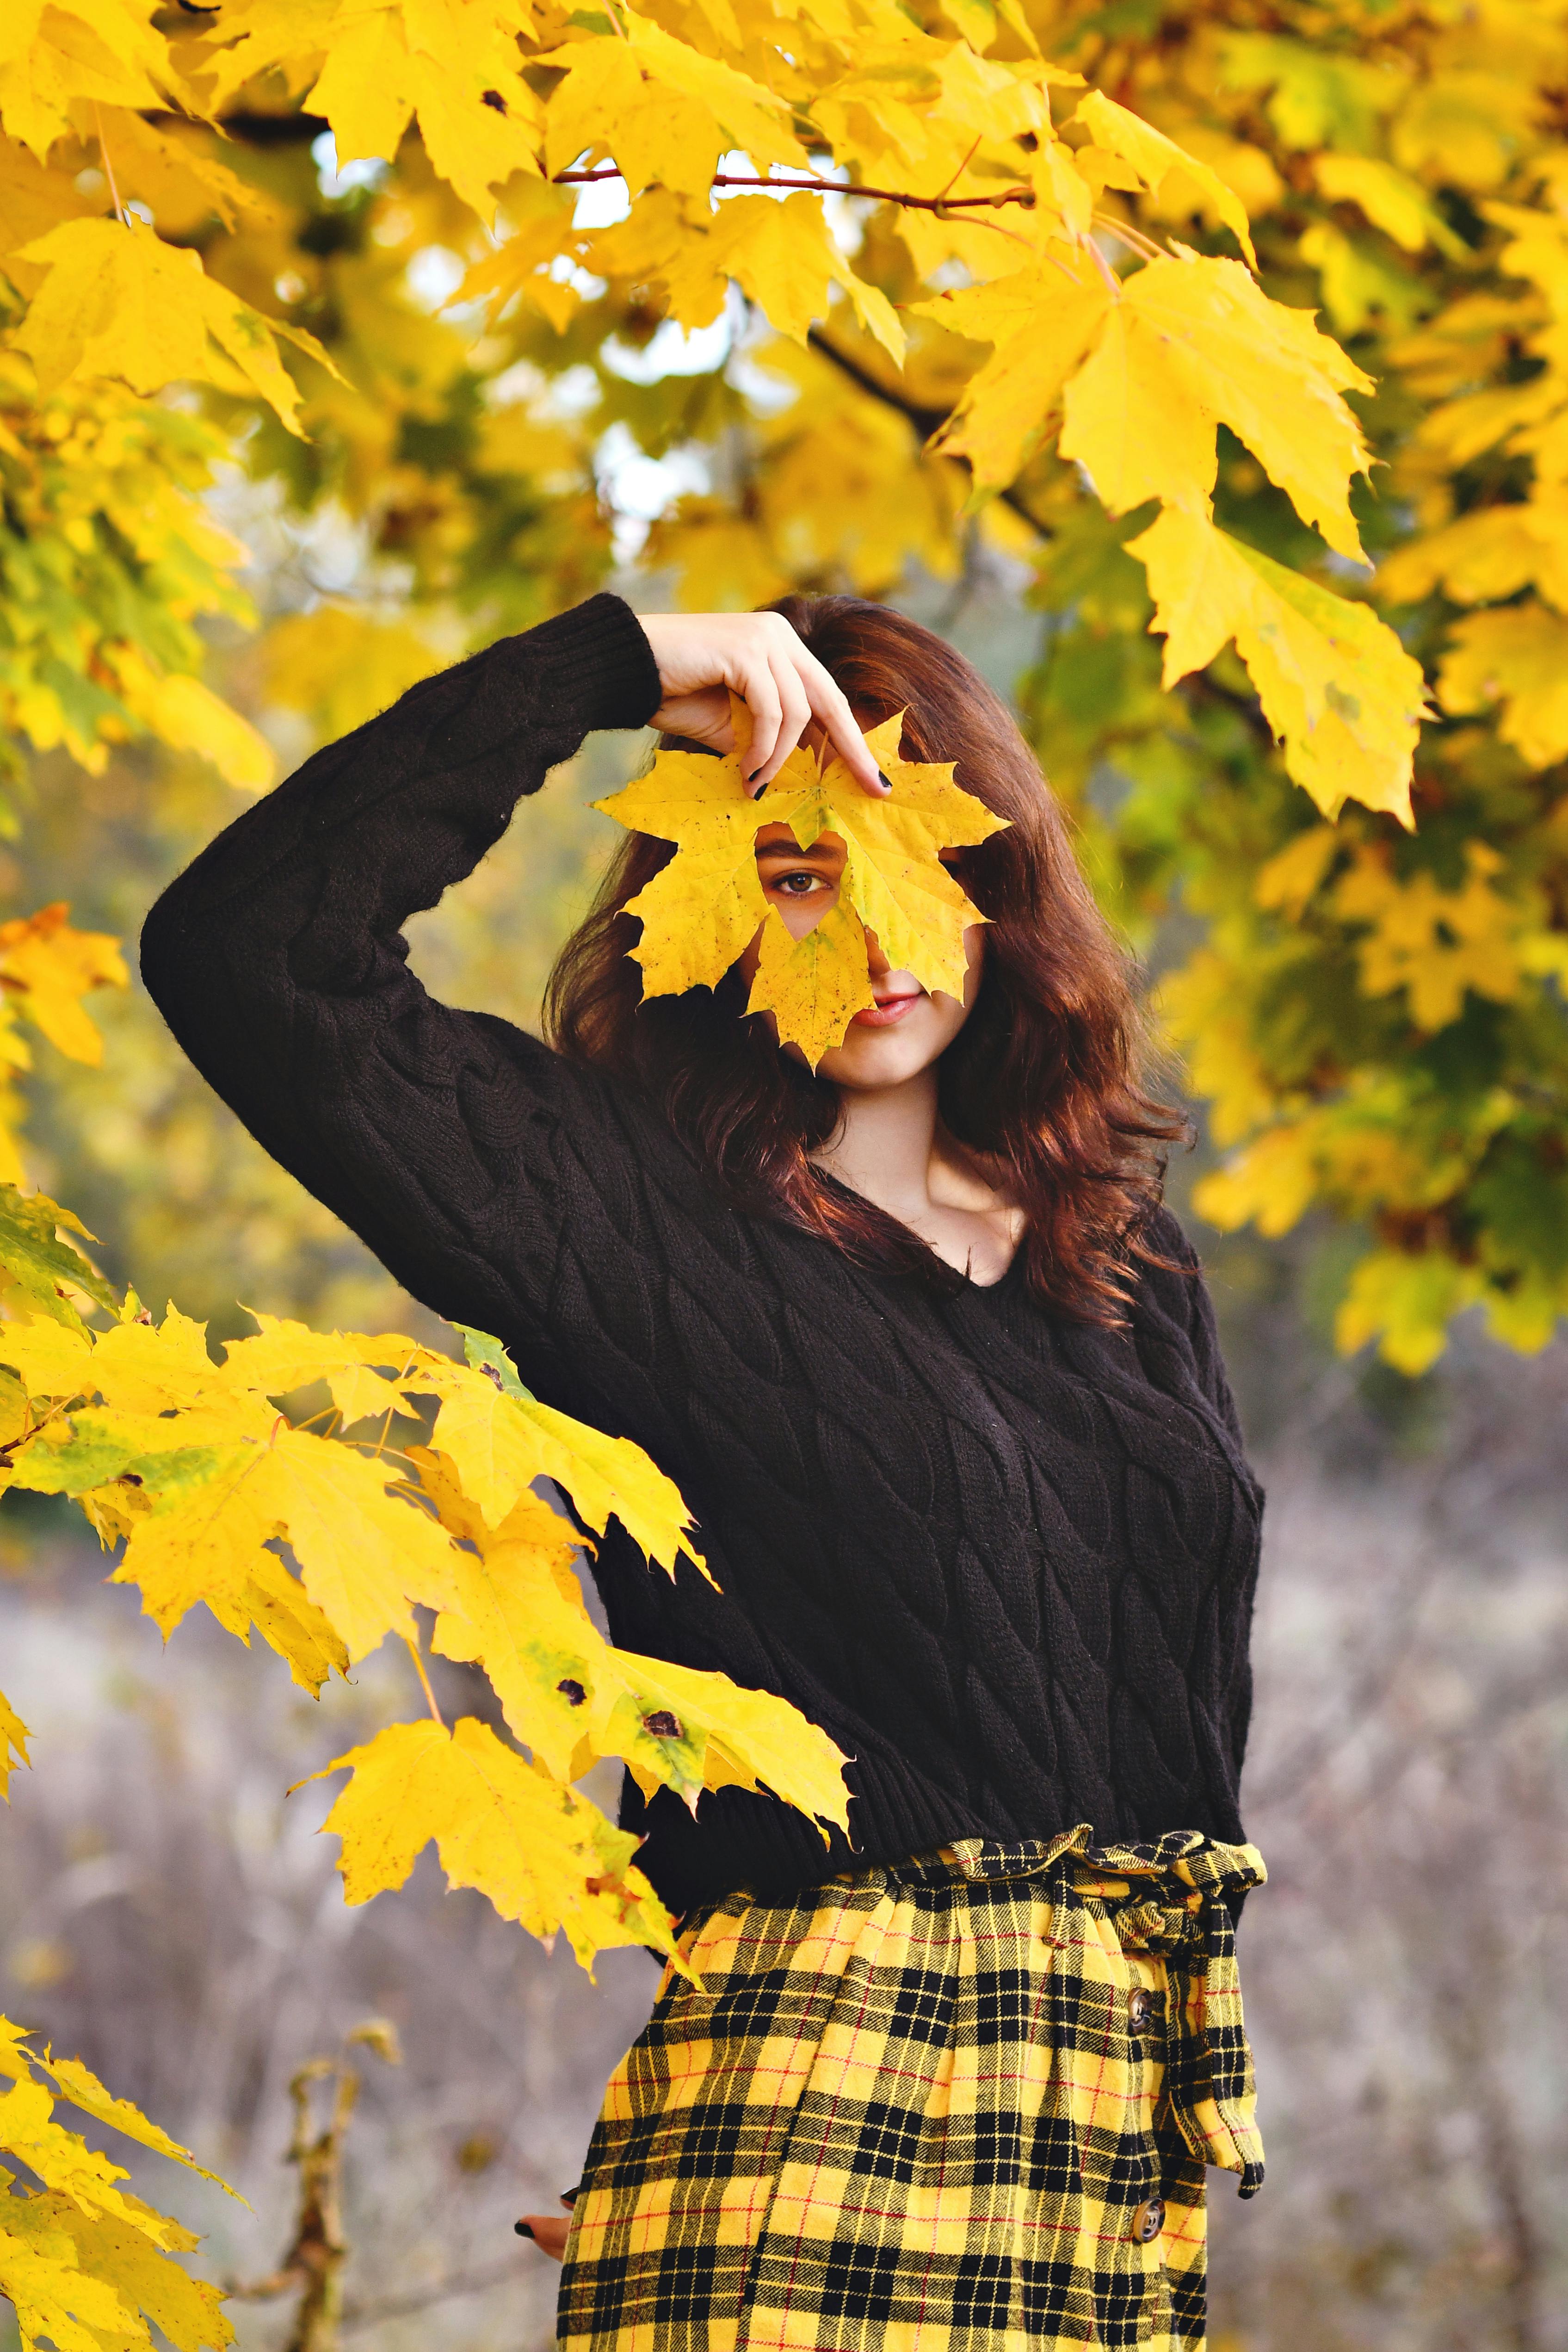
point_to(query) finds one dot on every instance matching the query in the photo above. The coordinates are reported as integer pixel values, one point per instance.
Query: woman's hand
(703, 658)
(548, 2230)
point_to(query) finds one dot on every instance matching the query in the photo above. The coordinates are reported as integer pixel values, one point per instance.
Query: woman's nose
(877, 963)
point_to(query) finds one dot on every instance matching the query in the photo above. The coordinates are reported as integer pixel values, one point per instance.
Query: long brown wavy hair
(1042, 1087)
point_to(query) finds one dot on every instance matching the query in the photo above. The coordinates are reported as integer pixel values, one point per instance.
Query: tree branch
(925, 421)
(817, 187)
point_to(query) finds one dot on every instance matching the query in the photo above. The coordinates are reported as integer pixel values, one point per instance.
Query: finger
(831, 707)
(703, 716)
(760, 689)
(794, 717)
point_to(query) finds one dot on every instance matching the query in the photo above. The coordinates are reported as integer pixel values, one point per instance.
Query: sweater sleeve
(278, 962)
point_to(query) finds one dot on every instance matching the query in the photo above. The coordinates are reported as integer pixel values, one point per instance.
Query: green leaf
(488, 1355)
(36, 1262)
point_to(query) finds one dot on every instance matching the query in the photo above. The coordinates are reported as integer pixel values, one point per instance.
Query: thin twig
(817, 187)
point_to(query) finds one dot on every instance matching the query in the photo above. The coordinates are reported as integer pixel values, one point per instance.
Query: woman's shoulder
(1167, 1264)
(1168, 1301)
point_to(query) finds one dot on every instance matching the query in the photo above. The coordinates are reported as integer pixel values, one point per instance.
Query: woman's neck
(886, 1145)
(891, 1148)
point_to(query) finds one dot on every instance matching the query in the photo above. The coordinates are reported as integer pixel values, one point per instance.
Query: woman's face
(909, 1027)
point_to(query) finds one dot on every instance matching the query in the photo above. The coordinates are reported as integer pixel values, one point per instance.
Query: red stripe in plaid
(920, 2109)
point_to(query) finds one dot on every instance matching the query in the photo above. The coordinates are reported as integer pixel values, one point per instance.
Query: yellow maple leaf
(1120, 422)
(741, 1739)
(783, 256)
(541, 1854)
(1391, 200)
(724, 561)
(517, 1609)
(1201, 1006)
(48, 968)
(701, 911)
(1487, 555)
(55, 2301)
(499, 1439)
(54, 53)
(1041, 321)
(363, 1552)
(1406, 1301)
(1517, 657)
(85, 2262)
(749, 116)
(361, 1371)
(1215, 342)
(278, 1605)
(175, 172)
(1154, 158)
(13, 1739)
(1436, 944)
(102, 2271)
(80, 2085)
(62, 2161)
(34, 198)
(118, 301)
(1272, 1183)
(1336, 685)
(188, 715)
(455, 66)
(137, 1367)
(606, 105)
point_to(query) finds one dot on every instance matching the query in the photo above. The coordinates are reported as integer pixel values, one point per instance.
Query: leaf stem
(1129, 237)
(964, 165)
(424, 1681)
(105, 158)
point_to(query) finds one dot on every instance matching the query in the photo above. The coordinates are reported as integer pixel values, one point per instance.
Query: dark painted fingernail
(568, 2195)
(886, 782)
(755, 773)
(524, 2229)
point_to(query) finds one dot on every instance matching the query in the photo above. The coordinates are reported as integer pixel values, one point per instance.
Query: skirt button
(1140, 2010)
(1149, 2221)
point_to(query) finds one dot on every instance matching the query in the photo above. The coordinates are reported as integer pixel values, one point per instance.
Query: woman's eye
(797, 886)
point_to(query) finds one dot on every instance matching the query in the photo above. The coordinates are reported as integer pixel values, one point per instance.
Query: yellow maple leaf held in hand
(704, 911)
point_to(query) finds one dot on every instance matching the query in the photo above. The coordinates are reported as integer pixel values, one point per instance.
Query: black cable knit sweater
(1006, 1560)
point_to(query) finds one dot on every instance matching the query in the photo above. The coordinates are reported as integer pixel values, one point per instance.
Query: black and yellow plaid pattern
(944, 2108)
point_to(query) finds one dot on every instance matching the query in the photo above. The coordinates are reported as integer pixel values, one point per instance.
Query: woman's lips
(886, 1011)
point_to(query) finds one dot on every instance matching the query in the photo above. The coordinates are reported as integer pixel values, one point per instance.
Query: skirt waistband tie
(1171, 1898)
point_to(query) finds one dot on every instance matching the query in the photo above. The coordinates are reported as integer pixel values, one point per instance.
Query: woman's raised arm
(278, 962)
(277, 957)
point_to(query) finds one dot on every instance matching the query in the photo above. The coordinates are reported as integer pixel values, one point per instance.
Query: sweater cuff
(595, 666)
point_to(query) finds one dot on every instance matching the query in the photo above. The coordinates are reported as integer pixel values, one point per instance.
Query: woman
(939, 1379)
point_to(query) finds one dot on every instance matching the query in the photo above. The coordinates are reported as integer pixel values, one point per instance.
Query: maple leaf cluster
(322, 1535)
(999, 161)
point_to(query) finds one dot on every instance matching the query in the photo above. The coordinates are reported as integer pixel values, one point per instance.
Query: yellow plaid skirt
(960, 2104)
